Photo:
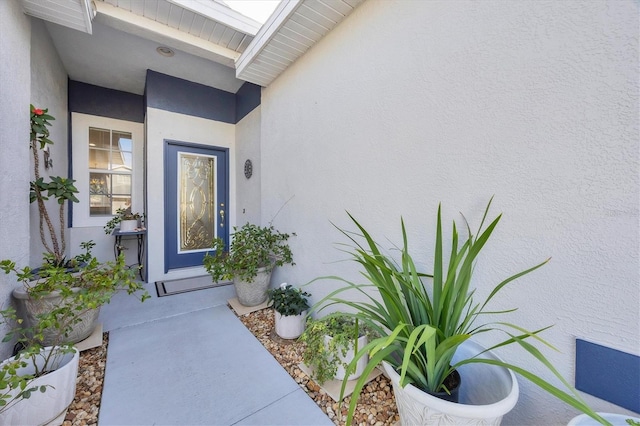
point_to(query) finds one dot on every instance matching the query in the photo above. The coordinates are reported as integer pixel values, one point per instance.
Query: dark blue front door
(196, 201)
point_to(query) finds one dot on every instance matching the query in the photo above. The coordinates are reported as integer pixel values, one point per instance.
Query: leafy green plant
(288, 300)
(252, 247)
(121, 214)
(422, 327)
(60, 188)
(88, 285)
(322, 354)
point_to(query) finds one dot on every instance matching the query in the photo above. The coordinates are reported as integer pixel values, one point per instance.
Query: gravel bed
(376, 405)
(86, 405)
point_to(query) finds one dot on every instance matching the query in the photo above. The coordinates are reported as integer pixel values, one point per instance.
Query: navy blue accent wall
(609, 374)
(95, 100)
(186, 97)
(248, 97)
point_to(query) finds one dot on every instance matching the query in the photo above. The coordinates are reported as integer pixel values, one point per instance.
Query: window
(110, 166)
(107, 167)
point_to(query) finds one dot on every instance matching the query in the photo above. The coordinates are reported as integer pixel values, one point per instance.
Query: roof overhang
(292, 29)
(76, 14)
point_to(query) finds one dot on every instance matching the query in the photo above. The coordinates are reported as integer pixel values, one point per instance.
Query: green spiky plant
(423, 325)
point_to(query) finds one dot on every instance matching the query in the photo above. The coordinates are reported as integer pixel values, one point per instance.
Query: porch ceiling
(213, 44)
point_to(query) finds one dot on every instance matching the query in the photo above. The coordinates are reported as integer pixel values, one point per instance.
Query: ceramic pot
(128, 225)
(28, 309)
(486, 394)
(614, 419)
(360, 366)
(253, 293)
(290, 326)
(50, 407)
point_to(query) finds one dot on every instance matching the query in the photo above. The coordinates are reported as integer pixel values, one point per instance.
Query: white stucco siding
(15, 89)
(49, 90)
(248, 148)
(407, 104)
(164, 125)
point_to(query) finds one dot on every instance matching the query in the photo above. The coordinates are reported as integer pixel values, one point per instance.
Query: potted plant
(127, 220)
(60, 188)
(37, 385)
(249, 260)
(87, 283)
(425, 332)
(290, 310)
(331, 344)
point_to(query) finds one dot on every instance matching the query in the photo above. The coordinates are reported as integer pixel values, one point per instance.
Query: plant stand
(487, 393)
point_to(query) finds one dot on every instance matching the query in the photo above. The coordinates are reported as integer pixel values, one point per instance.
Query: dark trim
(69, 155)
(186, 97)
(95, 100)
(608, 374)
(248, 97)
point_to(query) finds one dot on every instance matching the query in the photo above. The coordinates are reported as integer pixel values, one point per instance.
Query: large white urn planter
(614, 419)
(29, 308)
(50, 407)
(346, 359)
(487, 393)
(290, 326)
(255, 292)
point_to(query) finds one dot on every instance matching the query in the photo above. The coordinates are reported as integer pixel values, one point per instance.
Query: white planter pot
(253, 293)
(290, 326)
(50, 407)
(614, 419)
(128, 225)
(487, 393)
(360, 366)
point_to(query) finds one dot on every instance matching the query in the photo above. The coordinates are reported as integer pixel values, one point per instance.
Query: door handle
(222, 218)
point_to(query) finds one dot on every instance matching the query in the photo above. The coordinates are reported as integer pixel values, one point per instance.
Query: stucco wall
(248, 148)
(15, 35)
(408, 104)
(161, 125)
(48, 90)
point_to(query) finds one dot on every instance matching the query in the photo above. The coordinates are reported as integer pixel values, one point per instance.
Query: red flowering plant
(62, 189)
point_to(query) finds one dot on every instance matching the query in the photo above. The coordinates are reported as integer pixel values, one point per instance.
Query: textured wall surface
(248, 148)
(15, 35)
(49, 90)
(163, 125)
(408, 104)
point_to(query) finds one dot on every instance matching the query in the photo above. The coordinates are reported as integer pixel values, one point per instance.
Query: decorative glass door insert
(197, 201)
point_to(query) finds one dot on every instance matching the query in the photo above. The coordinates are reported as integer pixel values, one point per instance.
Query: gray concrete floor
(187, 359)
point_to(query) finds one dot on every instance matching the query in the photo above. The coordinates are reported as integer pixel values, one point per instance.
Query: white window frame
(80, 164)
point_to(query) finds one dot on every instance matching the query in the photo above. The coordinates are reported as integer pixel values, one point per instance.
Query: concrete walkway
(187, 359)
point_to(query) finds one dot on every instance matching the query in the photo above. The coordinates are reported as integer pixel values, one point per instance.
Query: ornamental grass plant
(423, 318)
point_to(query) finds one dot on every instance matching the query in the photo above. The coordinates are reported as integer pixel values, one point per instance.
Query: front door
(196, 201)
